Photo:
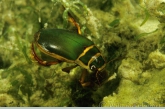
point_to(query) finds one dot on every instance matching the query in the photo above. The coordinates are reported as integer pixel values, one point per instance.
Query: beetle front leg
(82, 79)
(40, 61)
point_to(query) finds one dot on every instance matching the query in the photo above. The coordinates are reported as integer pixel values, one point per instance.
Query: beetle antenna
(117, 58)
(112, 60)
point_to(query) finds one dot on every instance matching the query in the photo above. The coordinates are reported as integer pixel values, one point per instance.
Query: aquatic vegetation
(144, 34)
(135, 73)
(147, 14)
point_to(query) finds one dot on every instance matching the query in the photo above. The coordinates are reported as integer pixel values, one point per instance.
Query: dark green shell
(63, 42)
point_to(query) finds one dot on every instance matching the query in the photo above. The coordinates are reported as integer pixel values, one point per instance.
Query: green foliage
(24, 51)
(162, 41)
(107, 5)
(21, 80)
(114, 23)
(81, 97)
(147, 15)
(144, 34)
(23, 48)
(27, 75)
(4, 64)
(161, 7)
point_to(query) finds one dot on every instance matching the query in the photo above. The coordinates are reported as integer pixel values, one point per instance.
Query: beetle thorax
(91, 59)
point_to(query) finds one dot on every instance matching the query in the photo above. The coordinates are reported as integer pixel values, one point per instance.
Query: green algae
(136, 68)
(149, 94)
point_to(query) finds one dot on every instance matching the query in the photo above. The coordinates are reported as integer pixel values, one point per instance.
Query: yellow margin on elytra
(93, 58)
(82, 54)
(56, 56)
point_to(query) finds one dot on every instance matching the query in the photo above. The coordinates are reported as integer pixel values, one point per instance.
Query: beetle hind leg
(40, 61)
(75, 24)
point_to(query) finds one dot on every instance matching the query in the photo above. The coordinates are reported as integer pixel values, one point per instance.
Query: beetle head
(97, 66)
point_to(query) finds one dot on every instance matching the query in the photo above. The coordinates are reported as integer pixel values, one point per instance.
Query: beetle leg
(40, 61)
(97, 74)
(76, 24)
(82, 79)
(101, 76)
(67, 69)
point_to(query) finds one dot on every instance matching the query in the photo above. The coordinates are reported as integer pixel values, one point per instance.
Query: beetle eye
(93, 67)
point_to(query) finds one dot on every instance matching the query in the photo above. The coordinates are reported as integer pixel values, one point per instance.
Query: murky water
(130, 37)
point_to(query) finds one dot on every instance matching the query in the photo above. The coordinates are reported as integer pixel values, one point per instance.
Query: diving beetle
(67, 46)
